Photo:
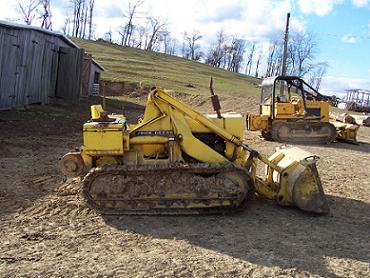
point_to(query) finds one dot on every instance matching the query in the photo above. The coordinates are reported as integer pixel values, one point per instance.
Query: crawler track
(175, 189)
(303, 132)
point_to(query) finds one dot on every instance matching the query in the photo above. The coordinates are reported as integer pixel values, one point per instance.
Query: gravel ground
(48, 231)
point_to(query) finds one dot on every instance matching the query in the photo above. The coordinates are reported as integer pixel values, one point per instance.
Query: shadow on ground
(359, 147)
(268, 235)
(362, 144)
(31, 142)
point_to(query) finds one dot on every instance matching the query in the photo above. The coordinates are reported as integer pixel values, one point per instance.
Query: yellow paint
(102, 139)
(169, 130)
(95, 111)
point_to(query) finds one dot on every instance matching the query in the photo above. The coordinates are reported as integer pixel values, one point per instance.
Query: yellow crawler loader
(176, 160)
(292, 111)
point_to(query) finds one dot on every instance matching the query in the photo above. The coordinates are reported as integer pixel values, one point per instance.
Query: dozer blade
(296, 180)
(346, 132)
(175, 189)
(303, 132)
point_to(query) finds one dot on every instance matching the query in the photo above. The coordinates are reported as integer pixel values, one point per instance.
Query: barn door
(34, 94)
(86, 65)
(9, 58)
(69, 73)
(49, 72)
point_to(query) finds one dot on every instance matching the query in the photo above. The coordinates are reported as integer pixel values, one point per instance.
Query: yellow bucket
(296, 180)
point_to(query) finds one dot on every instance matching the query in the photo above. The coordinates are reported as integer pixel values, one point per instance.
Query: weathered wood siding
(69, 73)
(37, 67)
(86, 68)
(90, 86)
(10, 52)
(94, 86)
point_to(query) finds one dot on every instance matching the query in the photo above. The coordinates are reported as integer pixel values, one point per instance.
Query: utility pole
(285, 50)
(285, 53)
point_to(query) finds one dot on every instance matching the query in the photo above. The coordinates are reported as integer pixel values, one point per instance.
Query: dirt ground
(47, 230)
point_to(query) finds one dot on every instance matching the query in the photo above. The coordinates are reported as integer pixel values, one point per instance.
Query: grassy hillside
(156, 69)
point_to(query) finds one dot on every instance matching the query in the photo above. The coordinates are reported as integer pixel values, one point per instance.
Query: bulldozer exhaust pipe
(214, 98)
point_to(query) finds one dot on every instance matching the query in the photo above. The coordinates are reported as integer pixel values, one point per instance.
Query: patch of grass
(169, 72)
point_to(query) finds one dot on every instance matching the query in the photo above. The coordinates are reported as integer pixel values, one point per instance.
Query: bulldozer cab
(284, 96)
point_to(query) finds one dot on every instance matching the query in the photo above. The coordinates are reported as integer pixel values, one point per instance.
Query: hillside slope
(170, 72)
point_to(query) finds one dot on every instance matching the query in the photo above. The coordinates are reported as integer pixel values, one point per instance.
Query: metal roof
(98, 65)
(48, 32)
(38, 29)
(269, 81)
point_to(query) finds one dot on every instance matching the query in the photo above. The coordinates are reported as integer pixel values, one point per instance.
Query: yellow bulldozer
(176, 160)
(292, 111)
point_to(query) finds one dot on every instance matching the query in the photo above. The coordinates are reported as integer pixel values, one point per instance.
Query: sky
(341, 27)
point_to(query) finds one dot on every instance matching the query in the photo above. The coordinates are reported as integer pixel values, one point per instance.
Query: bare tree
(320, 72)
(270, 56)
(168, 42)
(77, 14)
(183, 45)
(156, 25)
(128, 28)
(91, 11)
(46, 15)
(165, 39)
(250, 60)
(172, 47)
(260, 56)
(122, 32)
(226, 54)
(28, 9)
(66, 26)
(80, 17)
(84, 19)
(192, 47)
(274, 57)
(315, 76)
(302, 50)
(235, 53)
(217, 51)
(139, 37)
(108, 36)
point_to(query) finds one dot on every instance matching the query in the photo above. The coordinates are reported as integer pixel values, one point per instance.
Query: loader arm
(291, 175)
(164, 97)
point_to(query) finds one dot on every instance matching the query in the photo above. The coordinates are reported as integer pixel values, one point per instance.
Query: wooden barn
(38, 66)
